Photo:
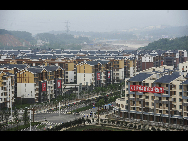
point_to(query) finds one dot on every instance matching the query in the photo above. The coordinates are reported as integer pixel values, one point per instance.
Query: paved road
(53, 118)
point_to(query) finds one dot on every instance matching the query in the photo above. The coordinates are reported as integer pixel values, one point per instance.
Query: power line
(67, 26)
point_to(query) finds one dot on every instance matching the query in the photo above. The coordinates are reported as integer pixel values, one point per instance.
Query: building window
(25, 85)
(166, 85)
(179, 106)
(180, 93)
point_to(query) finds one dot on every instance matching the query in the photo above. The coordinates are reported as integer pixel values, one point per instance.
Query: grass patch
(94, 128)
(23, 126)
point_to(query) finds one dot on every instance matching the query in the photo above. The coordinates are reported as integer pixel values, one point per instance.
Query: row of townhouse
(30, 80)
(170, 106)
(134, 61)
(32, 69)
(156, 58)
(26, 84)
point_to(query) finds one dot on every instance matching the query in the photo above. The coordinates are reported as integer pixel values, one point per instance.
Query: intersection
(53, 118)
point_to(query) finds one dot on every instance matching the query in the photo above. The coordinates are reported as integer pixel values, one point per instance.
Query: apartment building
(6, 89)
(69, 68)
(169, 106)
(130, 67)
(94, 72)
(39, 84)
(156, 58)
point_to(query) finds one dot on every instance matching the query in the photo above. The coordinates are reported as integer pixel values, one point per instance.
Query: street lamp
(30, 116)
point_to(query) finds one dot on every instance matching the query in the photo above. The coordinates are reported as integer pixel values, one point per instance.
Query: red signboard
(44, 86)
(98, 76)
(140, 88)
(109, 74)
(58, 83)
(161, 63)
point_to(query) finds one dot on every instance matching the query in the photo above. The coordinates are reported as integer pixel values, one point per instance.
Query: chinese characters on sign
(58, 83)
(109, 74)
(146, 89)
(98, 76)
(44, 86)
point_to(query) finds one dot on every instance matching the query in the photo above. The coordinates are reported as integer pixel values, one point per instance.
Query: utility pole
(30, 119)
(32, 109)
(59, 108)
(67, 26)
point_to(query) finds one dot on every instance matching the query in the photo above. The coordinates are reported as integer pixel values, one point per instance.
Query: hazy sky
(37, 21)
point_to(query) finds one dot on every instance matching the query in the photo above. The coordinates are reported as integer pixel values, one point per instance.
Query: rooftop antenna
(67, 26)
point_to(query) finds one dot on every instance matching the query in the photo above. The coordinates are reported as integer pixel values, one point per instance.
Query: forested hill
(15, 38)
(179, 43)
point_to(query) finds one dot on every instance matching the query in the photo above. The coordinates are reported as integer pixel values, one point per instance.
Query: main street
(53, 118)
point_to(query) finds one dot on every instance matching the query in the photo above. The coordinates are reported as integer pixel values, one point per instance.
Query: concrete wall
(26, 89)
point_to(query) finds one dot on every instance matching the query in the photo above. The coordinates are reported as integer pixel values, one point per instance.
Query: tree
(25, 117)
(97, 90)
(99, 104)
(16, 118)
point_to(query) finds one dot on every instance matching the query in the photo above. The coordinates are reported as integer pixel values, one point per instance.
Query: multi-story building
(39, 84)
(97, 73)
(156, 58)
(6, 89)
(49, 67)
(168, 107)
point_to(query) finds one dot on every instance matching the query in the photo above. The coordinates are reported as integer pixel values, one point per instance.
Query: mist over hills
(75, 39)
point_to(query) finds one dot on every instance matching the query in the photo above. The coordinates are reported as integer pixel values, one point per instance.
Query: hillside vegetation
(22, 39)
(15, 38)
(179, 43)
(63, 40)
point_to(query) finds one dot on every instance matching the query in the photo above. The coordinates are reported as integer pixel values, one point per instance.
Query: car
(77, 113)
(50, 110)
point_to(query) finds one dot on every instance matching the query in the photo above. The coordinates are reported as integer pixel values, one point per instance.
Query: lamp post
(30, 117)
(59, 108)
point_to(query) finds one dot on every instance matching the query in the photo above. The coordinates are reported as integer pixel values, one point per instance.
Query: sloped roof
(35, 70)
(167, 78)
(10, 66)
(185, 82)
(51, 68)
(92, 62)
(140, 77)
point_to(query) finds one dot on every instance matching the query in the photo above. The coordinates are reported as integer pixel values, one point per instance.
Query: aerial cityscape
(77, 74)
